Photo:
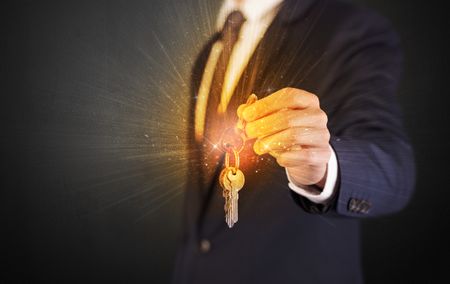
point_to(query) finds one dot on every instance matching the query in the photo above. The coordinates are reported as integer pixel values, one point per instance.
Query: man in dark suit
(327, 146)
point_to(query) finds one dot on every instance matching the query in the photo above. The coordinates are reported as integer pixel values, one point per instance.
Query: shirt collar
(253, 10)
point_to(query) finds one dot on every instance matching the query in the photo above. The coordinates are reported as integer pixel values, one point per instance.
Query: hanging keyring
(231, 140)
(236, 161)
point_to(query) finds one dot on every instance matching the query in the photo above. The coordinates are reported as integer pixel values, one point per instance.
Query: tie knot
(233, 23)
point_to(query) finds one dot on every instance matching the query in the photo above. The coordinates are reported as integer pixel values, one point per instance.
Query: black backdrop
(92, 147)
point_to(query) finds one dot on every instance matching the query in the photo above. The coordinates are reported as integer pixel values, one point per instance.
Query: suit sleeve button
(365, 207)
(352, 205)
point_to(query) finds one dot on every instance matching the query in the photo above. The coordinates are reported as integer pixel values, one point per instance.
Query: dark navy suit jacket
(350, 58)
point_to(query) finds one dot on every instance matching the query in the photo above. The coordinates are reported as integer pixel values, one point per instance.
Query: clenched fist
(290, 125)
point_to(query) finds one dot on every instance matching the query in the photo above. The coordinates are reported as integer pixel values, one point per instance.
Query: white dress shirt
(259, 15)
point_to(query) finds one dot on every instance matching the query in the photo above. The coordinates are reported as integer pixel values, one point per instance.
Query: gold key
(231, 178)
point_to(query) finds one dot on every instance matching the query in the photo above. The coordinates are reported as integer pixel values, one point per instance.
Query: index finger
(290, 98)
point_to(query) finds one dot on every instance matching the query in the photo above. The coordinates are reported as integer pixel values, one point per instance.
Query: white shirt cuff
(330, 183)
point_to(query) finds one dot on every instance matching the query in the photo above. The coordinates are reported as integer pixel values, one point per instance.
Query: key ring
(237, 132)
(228, 146)
(236, 161)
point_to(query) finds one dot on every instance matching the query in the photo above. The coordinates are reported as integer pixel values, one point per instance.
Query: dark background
(92, 107)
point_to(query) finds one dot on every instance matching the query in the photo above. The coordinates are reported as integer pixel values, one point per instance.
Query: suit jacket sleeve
(375, 159)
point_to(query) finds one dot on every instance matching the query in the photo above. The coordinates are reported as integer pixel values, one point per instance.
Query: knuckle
(322, 157)
(281, 161)
(327, 135)
(322, 118)
(325, 118)
(328, 150)
(314, 99)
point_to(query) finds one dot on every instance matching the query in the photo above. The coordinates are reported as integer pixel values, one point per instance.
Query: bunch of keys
(231, 178)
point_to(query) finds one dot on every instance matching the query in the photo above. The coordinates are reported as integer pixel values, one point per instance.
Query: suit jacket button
(205, 246)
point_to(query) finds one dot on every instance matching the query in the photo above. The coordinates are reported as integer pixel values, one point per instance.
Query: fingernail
(249, 131)
(257, 148)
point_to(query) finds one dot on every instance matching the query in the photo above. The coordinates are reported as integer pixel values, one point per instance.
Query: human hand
(290, 125)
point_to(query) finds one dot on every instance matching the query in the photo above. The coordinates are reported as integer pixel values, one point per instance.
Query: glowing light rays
(131, 112)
